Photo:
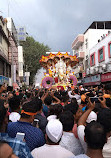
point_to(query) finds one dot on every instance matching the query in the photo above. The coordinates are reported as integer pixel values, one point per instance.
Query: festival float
(59, 70)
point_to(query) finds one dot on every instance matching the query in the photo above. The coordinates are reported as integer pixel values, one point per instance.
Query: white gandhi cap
(54, 130)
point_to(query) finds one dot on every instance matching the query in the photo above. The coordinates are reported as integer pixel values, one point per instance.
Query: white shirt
(107, 149)
(71, 143)
(51, 151)
(14, 116)
(77, 96)
(81, 134)
(74, 96)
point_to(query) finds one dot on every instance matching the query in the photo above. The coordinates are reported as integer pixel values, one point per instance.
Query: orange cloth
(28, 113)
(83, 97)
(106, 95)
(72, 87)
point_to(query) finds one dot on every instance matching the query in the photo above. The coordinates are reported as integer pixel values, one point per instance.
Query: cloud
(57, 22)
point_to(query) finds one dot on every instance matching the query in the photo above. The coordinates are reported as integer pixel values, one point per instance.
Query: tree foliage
(33, 51)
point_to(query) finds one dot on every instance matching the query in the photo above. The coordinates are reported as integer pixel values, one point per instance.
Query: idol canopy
(59, 69)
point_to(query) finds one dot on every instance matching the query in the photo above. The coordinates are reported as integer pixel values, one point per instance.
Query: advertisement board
(92, 80)
(21, 33)
(106, 77)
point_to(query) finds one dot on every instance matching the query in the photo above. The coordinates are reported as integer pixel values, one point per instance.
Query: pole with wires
(8, 8)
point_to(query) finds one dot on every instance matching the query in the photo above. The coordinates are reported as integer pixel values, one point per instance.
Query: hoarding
(92, 80)
(20, 54)
(21, 33)
(106, 77)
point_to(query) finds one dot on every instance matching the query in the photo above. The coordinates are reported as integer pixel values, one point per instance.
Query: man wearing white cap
(52, 149)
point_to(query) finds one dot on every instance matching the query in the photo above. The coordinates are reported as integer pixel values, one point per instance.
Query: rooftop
(100, 25)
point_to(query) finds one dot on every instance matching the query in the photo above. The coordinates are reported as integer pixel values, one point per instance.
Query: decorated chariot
(59, 70)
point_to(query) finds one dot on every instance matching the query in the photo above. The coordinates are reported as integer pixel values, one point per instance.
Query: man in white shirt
(14, 104)
(104, 117)
(95, 137)
(52, 149)
(74, 94)
(68, 140)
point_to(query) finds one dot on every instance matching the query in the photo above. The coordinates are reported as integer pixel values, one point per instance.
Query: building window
(109, 49)
(101, 54)
(92, 59)
(0, 38)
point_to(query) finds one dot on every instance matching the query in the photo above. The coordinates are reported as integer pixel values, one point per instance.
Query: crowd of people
(55, 123)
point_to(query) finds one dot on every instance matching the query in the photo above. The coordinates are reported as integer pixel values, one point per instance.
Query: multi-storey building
(13, 49)
(5, 65)
(10, 67)
(99, 70)
(84, 42)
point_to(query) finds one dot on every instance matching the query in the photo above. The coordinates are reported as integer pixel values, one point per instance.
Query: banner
(106, 77)
(21, 33)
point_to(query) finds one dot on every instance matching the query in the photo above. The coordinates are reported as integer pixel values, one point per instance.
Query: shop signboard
(106, 77)
(3, 80)
(92, 80)
(21, 33)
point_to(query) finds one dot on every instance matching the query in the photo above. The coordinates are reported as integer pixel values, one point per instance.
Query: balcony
(80, 55)
(78, 41)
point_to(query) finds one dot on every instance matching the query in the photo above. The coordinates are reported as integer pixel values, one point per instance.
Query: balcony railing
(78, 41)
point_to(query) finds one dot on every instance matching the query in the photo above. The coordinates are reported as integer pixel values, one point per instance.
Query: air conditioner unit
(87, 71)
(109, 67)
(97, 69)
(91, 70)
(100, 69)
(104, 67)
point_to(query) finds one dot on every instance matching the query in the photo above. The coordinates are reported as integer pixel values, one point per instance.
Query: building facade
(13, 50)
(11, 63)
(5, 65)
(84, 42)
(100, 62)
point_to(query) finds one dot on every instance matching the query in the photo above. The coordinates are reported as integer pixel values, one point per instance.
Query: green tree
(33, 51)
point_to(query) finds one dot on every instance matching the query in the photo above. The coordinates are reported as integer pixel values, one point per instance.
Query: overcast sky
(56, 22)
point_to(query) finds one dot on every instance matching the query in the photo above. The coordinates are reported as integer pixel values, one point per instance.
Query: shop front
(105, 78)
(92, 80)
